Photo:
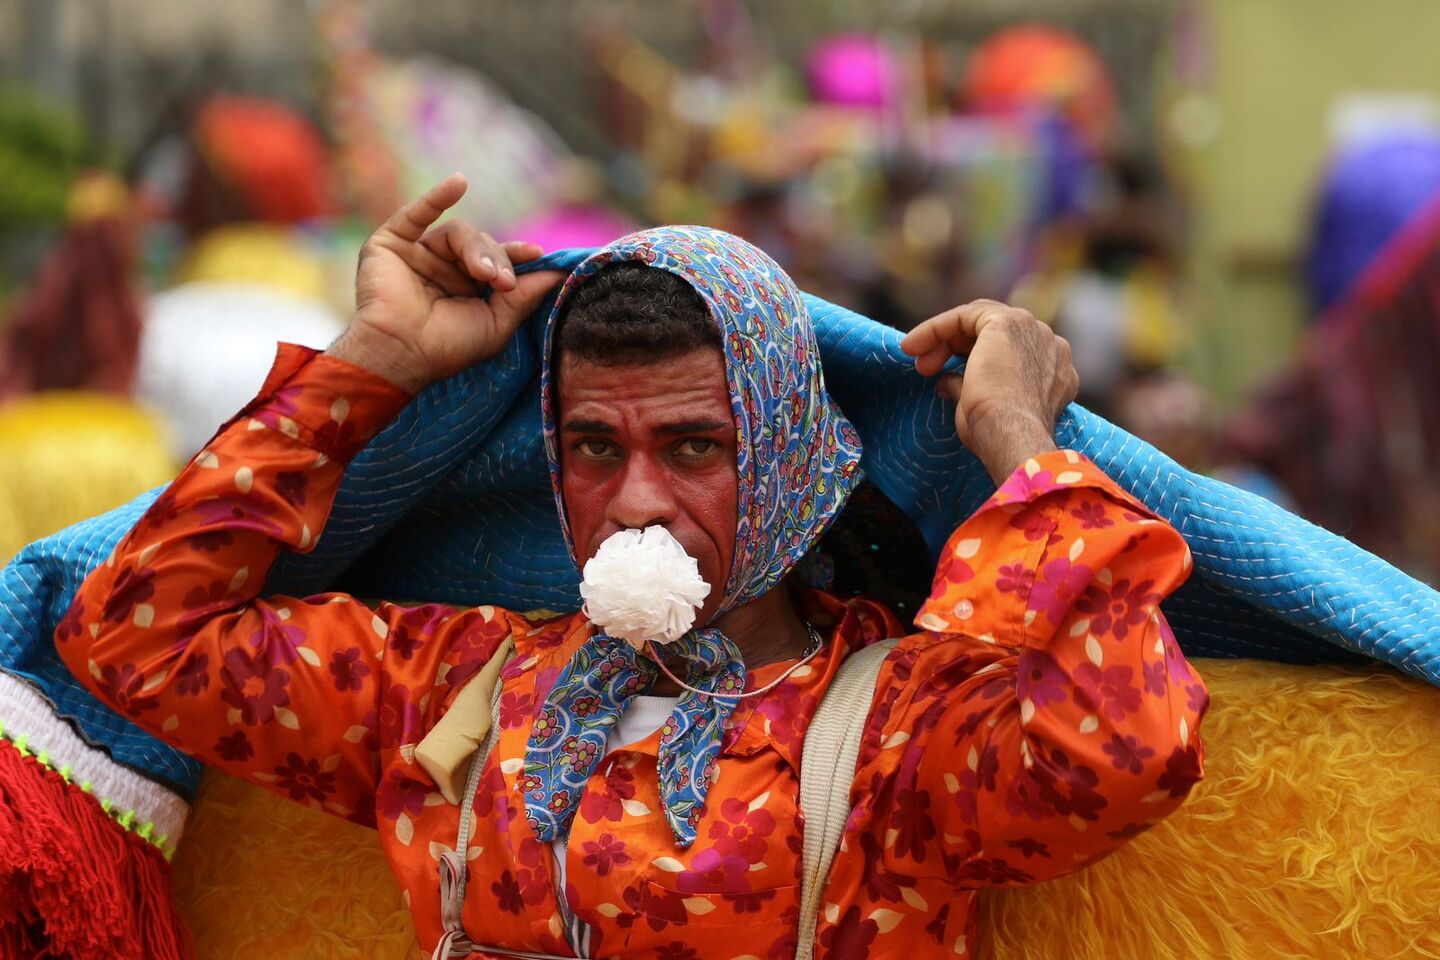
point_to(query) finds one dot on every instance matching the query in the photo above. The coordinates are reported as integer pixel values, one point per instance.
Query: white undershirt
(641, 718)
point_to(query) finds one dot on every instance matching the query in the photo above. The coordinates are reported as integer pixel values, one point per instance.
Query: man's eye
(696, 447)
(596, 449)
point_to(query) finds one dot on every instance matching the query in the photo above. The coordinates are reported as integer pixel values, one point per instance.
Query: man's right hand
(419, 312)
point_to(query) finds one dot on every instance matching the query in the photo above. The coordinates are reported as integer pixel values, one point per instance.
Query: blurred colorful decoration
(577, 217)
(1121, 322)
(255, 270)
(1042, 67)
(79, 324)
(858, 191)
(571, 225)
(1371, 189)
(207, 347)
(42, 148)
(997, 178)
(439, 118)
(1189, 116)
(1365, 382)
(267, 156)
(276, 257)
(68, 455)
(853, 70)
(368, 169)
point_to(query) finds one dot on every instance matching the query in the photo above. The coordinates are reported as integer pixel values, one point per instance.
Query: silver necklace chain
(815, 644)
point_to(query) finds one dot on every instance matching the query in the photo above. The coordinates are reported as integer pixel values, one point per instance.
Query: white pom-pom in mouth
(642, 587)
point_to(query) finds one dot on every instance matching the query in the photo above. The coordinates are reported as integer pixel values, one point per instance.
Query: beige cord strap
(827, 769)
(454, 864)
(444, 753)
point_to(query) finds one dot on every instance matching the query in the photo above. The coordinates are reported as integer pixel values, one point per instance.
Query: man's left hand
(1018, 379)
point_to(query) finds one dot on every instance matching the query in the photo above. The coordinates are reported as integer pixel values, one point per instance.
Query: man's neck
(766, 630)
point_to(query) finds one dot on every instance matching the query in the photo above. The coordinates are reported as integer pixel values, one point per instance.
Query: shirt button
(964, 609)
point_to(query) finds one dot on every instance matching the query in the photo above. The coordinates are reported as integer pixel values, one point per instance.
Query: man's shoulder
(545, 635)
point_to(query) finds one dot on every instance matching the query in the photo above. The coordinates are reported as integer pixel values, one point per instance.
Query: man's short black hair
(629, 313)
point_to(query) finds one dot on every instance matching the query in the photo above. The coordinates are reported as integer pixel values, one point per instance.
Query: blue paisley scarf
(798, 459)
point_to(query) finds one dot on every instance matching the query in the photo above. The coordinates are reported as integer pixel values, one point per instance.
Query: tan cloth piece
(445, 751)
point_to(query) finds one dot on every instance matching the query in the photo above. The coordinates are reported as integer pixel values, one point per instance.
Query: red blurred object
(1035, 66)
(78, 326)
(268, 154)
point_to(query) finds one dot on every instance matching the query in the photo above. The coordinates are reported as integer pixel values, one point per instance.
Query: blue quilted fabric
(452, 502)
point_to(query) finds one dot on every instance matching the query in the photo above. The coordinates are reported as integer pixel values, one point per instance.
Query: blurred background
(1231, 209)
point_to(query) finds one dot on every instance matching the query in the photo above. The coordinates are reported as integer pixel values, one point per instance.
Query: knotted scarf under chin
(569, 735)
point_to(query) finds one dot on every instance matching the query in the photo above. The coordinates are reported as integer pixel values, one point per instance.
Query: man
(1041, 716)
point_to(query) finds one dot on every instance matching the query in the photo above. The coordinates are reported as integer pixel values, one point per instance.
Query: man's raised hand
(419, 311)
(1017, 380)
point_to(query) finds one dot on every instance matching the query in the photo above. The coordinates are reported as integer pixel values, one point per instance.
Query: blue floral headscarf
(797, 458)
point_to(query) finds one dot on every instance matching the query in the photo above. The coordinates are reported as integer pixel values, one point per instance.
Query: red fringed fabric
(73, 882)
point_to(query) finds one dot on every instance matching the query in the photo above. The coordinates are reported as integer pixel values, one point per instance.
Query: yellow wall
(1279, 66)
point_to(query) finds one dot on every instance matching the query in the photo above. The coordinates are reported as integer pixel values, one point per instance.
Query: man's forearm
(264, 484)
(173, 633)
(1006, 439)
(381, 355)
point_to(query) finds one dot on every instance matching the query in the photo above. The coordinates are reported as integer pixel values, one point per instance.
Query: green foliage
(42, 147)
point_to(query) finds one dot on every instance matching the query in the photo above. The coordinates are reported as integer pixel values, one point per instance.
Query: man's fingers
(513, 306)
(938, 331)
(436, 269)
(1070, 377)
(497, 259)
(479, 254)
(523, 251)
(473, 251)
(506, 255)
(950, 386)
(952, 333)
(933, 360)
(412, 220)
(936, 340)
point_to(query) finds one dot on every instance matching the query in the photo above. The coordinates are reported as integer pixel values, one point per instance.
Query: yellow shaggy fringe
(1316, 834)
(259, 876)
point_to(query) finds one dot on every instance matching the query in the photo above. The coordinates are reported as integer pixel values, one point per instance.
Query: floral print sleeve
(1045, 715)
(302, 696)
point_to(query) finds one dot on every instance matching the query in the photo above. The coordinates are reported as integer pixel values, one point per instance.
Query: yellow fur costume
(1315, 834)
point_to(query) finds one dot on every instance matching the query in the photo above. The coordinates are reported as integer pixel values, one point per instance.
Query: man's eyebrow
(694, 426)
(587, 426)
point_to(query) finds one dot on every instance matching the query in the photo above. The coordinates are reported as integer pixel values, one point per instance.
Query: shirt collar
(777, 720)
(780, 719)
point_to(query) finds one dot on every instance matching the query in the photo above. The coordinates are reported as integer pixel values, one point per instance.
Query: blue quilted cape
(452, 503)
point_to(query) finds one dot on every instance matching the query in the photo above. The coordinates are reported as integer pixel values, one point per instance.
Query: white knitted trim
(137, 803)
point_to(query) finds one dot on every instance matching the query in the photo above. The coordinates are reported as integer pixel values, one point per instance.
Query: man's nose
(644, 497)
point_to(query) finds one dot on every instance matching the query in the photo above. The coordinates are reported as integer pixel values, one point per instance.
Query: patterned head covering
(798, 458)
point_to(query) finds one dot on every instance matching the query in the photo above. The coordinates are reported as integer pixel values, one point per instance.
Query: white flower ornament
(642, 587)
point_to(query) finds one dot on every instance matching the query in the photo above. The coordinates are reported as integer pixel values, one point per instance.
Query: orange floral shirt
(1041, 715)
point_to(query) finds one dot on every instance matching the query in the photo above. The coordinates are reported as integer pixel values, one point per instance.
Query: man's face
(652, 444)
